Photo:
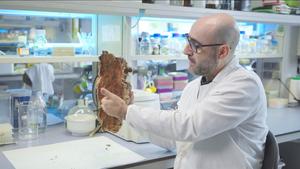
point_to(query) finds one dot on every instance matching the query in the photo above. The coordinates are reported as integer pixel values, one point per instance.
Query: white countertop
(58, 134)
(284, 120)
(284, 123)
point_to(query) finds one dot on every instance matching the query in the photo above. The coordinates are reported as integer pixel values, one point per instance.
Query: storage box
(63, 51)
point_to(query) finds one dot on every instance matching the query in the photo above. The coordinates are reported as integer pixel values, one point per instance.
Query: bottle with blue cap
(155, 43)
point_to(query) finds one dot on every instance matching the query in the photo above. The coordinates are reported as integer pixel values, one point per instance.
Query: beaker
(28, 122)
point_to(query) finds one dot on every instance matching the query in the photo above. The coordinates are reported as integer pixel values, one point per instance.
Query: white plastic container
(80, 124)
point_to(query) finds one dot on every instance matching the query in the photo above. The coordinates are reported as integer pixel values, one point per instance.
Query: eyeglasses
(196, 46)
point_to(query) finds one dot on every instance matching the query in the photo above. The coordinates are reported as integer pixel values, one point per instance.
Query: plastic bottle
(183, 42)
(198, 3)
(37, 108)
(225, 4)
(164, 45)
(155, 43)
(175, 45)
(252, 45)
(243, 44)
(145, 44)
(137, 42)
(214, 4)
(242, 5)
(40, 42)
(246, 5)
(239, 46)
(176, 2)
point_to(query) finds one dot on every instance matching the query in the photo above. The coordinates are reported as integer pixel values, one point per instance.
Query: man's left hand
(113, 105)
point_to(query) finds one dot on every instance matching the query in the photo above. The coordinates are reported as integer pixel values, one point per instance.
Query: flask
(37, 108)
(80, 120)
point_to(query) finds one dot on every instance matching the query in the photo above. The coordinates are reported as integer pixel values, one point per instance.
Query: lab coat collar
(231, 66)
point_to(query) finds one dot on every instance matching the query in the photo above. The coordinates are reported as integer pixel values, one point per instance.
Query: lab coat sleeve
(162, 142)
(225, 107)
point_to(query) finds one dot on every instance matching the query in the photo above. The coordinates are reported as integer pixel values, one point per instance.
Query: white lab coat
(223, 127)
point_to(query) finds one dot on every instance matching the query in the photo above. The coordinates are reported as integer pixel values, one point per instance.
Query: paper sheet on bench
(91, 153)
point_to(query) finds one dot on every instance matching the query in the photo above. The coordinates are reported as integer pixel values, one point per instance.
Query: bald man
(220, 122)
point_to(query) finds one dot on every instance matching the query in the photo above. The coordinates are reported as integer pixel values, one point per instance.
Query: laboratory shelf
(159, 57)
(183, 57)
(18, 77)
(258, 56)
(46, 59)
(124, 8)
(136, 8)
(157, 10)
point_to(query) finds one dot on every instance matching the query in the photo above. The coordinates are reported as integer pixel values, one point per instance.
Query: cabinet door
(37, 33)
(110, 34)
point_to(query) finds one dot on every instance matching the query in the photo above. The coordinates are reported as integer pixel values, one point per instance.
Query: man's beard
(207, 67)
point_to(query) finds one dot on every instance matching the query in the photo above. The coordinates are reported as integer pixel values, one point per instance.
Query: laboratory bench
(284, 123)
(154, 156)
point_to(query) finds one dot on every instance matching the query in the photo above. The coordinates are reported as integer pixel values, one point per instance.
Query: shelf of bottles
(36, 36)
(260, 40)
(164, 39)
(160, 39)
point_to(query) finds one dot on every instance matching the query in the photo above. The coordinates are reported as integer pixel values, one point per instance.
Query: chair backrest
(271, 156)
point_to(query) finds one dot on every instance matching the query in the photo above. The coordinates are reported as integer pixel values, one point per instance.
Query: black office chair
(271, 157)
